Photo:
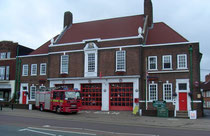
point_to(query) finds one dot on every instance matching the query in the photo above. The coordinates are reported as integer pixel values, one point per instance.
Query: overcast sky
(32, 22)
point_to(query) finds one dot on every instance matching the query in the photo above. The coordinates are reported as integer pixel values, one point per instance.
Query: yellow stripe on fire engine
(56, 100)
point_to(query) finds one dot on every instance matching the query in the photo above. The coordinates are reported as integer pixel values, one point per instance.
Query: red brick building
(8, 53)
(118, 64)
(206, 92)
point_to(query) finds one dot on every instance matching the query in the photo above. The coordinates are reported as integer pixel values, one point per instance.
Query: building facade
(8, 53)
(206, 92)
(118, 64)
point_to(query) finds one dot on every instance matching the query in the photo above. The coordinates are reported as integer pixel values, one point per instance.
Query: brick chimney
(148, 10)
(68, 19)
(207, 78)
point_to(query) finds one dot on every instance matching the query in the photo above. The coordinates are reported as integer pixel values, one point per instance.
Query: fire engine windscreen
(72, 95)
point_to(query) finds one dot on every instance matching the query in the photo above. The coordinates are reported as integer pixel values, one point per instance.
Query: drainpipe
(146, 104)
(191, 75)
(19, 72)
(16, 73)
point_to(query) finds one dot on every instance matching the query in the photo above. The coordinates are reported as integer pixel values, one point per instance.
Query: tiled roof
(115, 28)
(104, 29)
(162, 33)
(43, 49)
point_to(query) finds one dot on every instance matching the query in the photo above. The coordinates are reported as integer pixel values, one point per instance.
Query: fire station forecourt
(97, 122)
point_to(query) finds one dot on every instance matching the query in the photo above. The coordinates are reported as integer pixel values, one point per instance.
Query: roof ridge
(108, 19)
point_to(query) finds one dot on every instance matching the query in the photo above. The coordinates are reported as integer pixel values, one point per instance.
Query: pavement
(115, 117)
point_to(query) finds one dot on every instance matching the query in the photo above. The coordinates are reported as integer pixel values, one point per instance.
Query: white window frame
(207, 104)
(91, 62)
(90, 48)
(121, 60)
(156, 93)
(42, 86)
(33, 69)
(31, 92)
(7, 72)
(165, 91)
(64, 70)
(207, 93)
(8, 55)
(163, 62)
(3, 55)
(43, 69)
(149, 63)
(178, 61)
(25, 70)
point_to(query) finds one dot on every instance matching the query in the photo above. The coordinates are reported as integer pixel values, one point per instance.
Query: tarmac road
(25, 122)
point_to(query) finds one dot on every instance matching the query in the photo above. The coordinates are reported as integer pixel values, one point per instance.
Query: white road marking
(130, 134)
(62, 131)
(40, 132)
(173, 119)
(46, 126)
(62, 127)
(116, 113)
(116, 133)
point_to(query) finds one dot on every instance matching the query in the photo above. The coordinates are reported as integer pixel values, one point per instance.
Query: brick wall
(36, 80)
(171, 77)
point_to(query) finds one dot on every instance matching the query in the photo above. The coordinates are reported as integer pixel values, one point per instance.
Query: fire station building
(118, 63)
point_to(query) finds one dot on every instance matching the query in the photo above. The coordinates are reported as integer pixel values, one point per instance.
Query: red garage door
(121, 96)
(91, 96)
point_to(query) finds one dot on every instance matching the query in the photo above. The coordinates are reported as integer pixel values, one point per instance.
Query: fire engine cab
(58, 100)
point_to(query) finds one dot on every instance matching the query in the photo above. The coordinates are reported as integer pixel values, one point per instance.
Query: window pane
(2, 73)
(32, 92)
(3, 55)
(25, 70)
(120, 60)
(64, 63)
(8, 55)
(182, 86)
(167, 91)
(152, 63)
(91, 62)
(153, 92)
(182, 61)
(43, 69)
(166, 62)
(7, 73)
(33, 69)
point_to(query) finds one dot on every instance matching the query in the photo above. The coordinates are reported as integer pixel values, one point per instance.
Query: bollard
(1, 107)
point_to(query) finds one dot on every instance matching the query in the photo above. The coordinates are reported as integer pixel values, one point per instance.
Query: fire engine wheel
(75, 112)
(58, 109)
(41, 108)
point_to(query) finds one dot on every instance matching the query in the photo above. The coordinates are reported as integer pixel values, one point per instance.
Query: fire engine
(58, 100)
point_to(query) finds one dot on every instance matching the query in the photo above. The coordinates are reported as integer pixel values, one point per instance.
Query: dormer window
(91, 60)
